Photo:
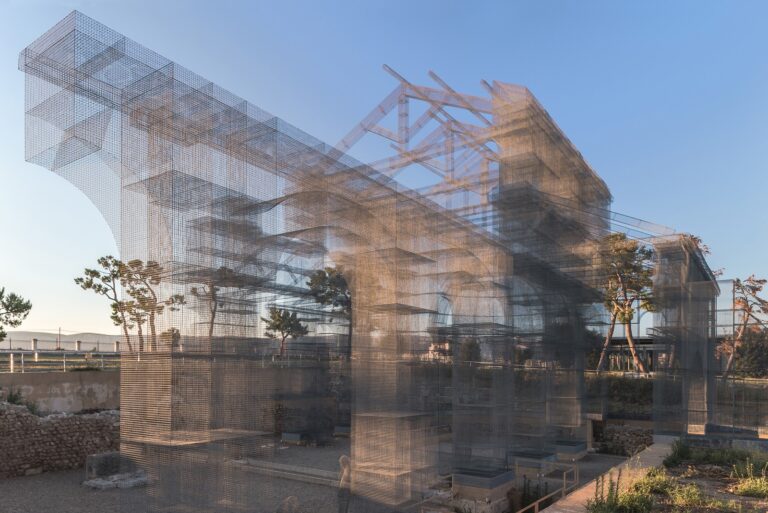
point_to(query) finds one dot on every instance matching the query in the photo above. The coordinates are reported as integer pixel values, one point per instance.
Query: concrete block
(107, 464)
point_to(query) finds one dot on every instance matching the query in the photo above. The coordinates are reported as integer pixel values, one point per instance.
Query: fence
(52, 355)
(741, 405)
(570, 480)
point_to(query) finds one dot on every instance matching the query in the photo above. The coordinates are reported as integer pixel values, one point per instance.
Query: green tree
(170, 337)
(469, 351)
(329, 287)
(138, 318)
(282, 324)
(208, 292)
(626, 270)
(105, 282)
(752, 355)
(751, 307)
(13, 310)
(593, 344)
(140, 281)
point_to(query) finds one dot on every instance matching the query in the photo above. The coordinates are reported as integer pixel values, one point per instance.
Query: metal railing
(567, 486)
(57, 361)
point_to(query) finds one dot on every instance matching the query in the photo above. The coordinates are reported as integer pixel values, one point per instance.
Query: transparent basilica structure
(451, 355)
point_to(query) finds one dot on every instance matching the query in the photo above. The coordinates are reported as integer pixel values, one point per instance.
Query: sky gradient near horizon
(667, 101)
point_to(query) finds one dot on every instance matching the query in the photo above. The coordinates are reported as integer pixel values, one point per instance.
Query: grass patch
(725, 457)
(750, 483)
(609, 499)
(658, 490)
(672, 492)
(687, 496)
(655, 482)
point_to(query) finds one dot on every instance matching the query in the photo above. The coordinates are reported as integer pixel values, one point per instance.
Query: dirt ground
(715, 482)
(61, 492)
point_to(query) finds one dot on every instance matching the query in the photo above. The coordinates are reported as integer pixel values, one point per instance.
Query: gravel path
(324, 458)
(61, 492)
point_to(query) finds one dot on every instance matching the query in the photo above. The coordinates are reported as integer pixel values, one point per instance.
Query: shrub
(705, 455)
(84, 368)
(687, 496)
(718, 456)
(635, 502)
(750, 463)
(756, 487)
(680, 452)
(469, 351)
(626, 390)
(613, 500)
(15, 397)
(749, 483)
(657, 481)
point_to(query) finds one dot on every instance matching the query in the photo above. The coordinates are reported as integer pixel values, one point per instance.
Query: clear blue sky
(667, 100)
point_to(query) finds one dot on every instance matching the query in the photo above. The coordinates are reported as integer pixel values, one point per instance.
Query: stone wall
(625, 440)
(30, 444)
(727, 441)
(67, 392)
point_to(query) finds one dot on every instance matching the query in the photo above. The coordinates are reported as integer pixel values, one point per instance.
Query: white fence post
(65, 361)
(10, 356)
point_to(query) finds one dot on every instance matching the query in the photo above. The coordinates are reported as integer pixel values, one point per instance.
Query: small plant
(634, 502)
(84, 368)
(656, 481)
(680, 452)
(604, 502)
(613, 500)
(687, 496)
(15, 397)
(750, 483)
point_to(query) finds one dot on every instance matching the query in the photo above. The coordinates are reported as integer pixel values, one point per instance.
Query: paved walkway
(631, 471)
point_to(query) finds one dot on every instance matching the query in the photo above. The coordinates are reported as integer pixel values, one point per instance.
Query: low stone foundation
(64, 392)
(625, 440)
(726, 441)
(30, 444)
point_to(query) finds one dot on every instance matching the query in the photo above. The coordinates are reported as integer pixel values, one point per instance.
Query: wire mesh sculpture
(459, 347)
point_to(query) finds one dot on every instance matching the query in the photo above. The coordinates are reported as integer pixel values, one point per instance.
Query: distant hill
(41, 335)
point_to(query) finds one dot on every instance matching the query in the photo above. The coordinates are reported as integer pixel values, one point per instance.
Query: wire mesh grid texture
(322, 334)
